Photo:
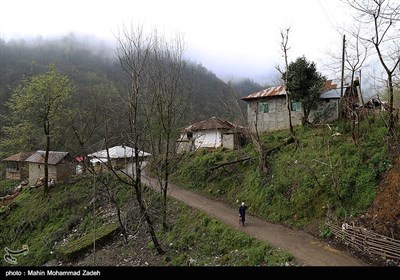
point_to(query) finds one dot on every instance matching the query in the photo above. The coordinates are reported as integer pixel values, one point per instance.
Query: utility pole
(343, 52)
(359, 90)
(341, 105)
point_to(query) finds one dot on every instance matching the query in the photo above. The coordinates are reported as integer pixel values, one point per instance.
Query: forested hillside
(99, 82)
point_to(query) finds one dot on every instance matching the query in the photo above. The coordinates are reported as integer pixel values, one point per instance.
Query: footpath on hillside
(308, 250)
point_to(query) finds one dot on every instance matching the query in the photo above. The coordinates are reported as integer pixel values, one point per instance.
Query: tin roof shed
(54, 157)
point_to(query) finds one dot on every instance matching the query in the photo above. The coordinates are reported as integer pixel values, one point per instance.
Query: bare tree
(170, 96)
(255, 137)
(134, 49)
(231, 102)
(285, 73)
(355, 55)
(356, 52)
(381, 17)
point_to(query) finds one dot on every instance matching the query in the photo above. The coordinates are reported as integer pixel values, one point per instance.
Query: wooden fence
(366, 241)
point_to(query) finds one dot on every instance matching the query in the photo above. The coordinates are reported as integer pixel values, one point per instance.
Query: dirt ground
(384, 215)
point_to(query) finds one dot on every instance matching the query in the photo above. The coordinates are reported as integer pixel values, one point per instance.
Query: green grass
(204, 241)
(7, 185)
(323, 172)
(39, 221)
(78, 246)
(61, 226)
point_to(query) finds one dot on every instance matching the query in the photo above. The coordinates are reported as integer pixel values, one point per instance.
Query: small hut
(16, 166)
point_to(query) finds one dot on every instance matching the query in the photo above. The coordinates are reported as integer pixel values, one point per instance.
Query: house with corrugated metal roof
(61, 166)
(16, 166)
(119, 156)
(268, 108)
(212, 133)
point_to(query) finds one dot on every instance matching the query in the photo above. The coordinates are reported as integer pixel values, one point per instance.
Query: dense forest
(98, 82)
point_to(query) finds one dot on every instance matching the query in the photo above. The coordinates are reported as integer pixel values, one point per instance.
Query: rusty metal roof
(54, 157)
(329, 84)
(22, 156)
(272, 91)
(213, 123)
(281, 91)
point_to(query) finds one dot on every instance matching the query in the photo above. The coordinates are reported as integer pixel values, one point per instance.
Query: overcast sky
(232, 38)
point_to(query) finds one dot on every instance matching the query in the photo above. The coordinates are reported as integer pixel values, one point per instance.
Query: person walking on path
(242, 213)
(308, 250)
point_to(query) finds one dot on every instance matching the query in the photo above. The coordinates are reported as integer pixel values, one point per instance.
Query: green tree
(38, 104)
(305, 84)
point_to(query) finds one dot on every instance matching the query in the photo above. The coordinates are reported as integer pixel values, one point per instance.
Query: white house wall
(228, 141)
(207, 139)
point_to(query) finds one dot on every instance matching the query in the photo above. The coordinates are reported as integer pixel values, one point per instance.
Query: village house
(212, 133)
(119, 157)
(268, 110)
(16, 166)
(61, 166)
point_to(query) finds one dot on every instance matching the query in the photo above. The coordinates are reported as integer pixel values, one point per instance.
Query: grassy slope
(65, 216)
(39, 221)
(324, 173)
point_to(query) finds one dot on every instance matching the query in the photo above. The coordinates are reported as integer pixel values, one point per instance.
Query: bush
(324, 231)
(6, 186)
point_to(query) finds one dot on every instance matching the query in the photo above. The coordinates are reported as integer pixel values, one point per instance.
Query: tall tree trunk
(165, 187)
(262, 158)
(142, 207)
(46, 157)
(288, 103)
(391, 116)
(284, 47)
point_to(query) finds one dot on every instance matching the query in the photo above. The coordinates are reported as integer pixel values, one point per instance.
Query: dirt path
(308, 250)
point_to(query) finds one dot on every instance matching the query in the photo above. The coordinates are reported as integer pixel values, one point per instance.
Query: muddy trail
(308, 250)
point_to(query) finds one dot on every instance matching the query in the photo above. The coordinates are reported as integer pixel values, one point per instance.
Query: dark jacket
(242, 210)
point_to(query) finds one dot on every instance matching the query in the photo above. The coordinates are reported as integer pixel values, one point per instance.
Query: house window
(295, 106)
(264, 107)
